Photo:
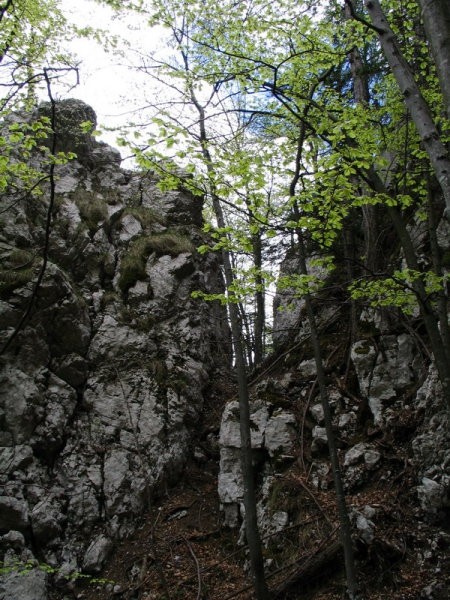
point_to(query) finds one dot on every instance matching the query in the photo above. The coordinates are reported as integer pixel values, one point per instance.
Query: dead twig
(314, 499)
(302, 429)
(197, 566)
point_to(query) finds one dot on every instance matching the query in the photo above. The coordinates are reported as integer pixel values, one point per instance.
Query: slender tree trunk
(359, 77)
(345, 526)
(442, 302)
(361, 96)
(348, 241)
(440, 351)
(260, 319)
(247, 338)
(436, 20)
(251, 521)
(415, 102)
(440, 161)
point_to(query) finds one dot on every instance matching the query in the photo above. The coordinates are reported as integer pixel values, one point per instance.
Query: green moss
(131, 318)
(93, 211)
(146, 216)
(179, 382)
(132, 266)
(171, 243)
(145, 324)
(20, 258)
(364, 349)
(18, 270)
(11, 280)
(108, 298)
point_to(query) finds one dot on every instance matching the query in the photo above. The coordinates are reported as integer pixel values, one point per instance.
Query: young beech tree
(420, 111)
(243, 167)
(355, 142)
(218, 157)
(427, 284)
(184, 38)
(32, 34)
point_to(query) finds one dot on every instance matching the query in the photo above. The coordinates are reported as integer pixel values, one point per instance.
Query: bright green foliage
(287, 146)
(397, 290)
(32, 36)
(22, 568)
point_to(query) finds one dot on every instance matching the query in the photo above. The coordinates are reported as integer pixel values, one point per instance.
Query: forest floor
(182, 550)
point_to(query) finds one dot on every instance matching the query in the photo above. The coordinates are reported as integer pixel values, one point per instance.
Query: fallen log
(311, 568)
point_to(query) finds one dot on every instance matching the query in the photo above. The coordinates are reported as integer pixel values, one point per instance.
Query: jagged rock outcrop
(391, 427)
(272, 436)
(288, 306)
(103, 384)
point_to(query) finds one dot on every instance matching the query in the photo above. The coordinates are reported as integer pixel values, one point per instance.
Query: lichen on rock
(104, 382)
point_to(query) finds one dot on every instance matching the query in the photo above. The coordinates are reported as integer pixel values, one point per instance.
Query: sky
(107, 83)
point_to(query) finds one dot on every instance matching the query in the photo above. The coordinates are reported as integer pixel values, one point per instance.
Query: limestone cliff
(391, 426)
(103, 383)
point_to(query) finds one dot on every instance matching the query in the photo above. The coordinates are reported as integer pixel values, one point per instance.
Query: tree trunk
(361, 96)
(441, 163)
(251, 521)
(440, 351)
(259, 301)
(436, 20)
(442, 302)
(415, 102)
(345, 527)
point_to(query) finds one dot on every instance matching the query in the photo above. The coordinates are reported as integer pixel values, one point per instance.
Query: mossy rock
(146, 216)
(93, 211)
(171, 243)
(19, 268)
(362, 349)
(132, 266)
(69, 115)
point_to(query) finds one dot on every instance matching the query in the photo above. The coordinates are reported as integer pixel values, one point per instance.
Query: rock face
(103, 384)
(288, 306)
(272, 436)
(391, 429)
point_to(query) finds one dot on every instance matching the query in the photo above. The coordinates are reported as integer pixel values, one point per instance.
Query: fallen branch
(313, 565)
(197, 566)
(303, 572)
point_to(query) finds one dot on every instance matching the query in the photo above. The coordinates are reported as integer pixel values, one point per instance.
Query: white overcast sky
(107, 82)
